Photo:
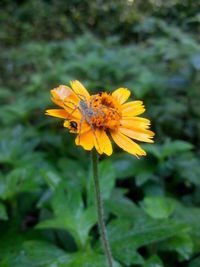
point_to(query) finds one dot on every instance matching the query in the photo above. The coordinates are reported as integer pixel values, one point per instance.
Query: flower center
(107, 111)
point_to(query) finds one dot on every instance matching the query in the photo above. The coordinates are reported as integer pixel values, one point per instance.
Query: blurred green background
(152, 205)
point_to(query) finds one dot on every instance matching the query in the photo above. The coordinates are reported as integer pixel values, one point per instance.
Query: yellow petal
(127, 144)
(139, 122)
(97, 142)
(132, 109)
(59, 113)
(64, 96)
(138, 134)
(104, 145)
(71, 112)
(80, 90)
(86, 140)
(121, 94)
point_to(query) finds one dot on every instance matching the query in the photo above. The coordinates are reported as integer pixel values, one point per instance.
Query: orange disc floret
(107, 111)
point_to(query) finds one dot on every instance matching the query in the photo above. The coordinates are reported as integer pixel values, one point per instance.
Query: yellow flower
(92, 117)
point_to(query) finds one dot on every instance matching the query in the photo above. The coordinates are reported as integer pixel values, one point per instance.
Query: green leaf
(129, 255)
(195, 262)
(73, 169)
(158, 207)
(11, 241)
(145, 231)
(39, 253)
(51, 178)
(168, 149)
(127, 166)
(43, 254)
(130, 236)
(190, 216)
(21, 179)
(88, 259)
(184, 164)
(182, 244)
(154, 261)
(107, 178)
(3, 212)
(154, 149)
(172, 148)
(71, 215)
(122, 206)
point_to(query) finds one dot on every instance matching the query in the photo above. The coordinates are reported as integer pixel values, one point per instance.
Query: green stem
(100, 208)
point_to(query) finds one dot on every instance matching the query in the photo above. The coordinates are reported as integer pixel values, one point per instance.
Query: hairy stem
(100, 208)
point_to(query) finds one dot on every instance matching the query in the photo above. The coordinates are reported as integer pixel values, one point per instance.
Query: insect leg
(80, 95)
(79, 133)
(91, 101)
(114, 110)
(64, 103)
(93, 131)
(70, 114)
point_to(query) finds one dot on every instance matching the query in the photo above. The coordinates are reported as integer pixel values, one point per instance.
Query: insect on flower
(87, 113)
(73, 125)
(92, 117)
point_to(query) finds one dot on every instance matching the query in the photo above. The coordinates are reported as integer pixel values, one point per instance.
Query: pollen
(107, 111)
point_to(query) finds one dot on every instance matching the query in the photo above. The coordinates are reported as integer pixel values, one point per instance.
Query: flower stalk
(99, 207)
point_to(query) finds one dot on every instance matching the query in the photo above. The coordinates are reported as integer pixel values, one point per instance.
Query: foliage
(47, 211)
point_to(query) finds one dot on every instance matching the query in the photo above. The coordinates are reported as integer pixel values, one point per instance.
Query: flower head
(92, 117)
